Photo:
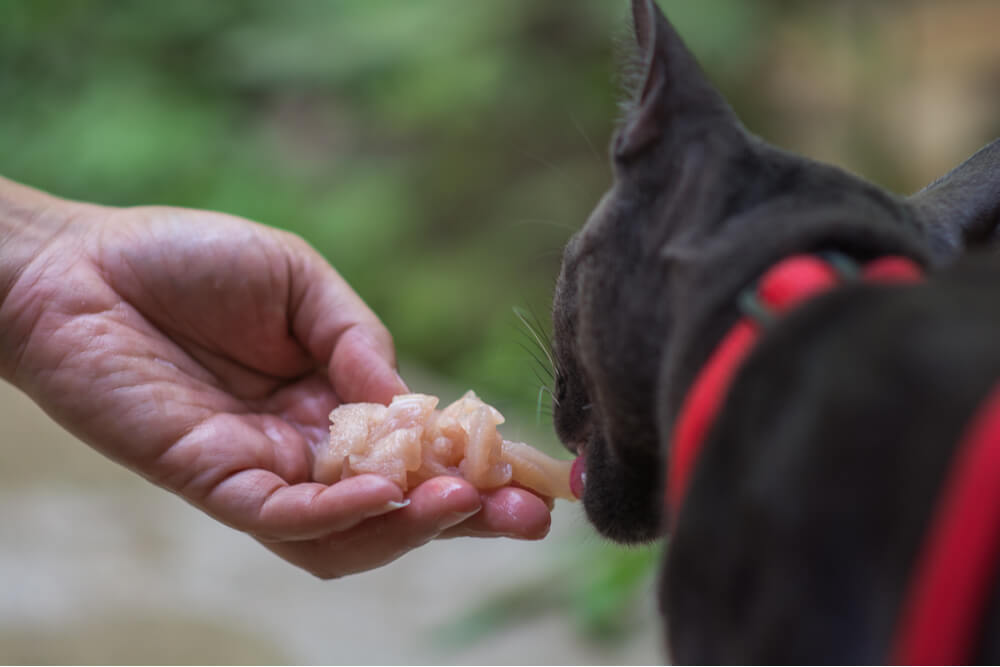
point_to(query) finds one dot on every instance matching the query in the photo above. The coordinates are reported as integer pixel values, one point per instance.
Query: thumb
(362, 367)
(339, 330)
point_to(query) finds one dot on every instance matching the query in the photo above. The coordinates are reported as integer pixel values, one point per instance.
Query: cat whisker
(536, 335)
(538, 406)
(561, 172)
(531, 346)
(579, 128)
(541, 380)
(545, 254)
(546, 339)
(541, 365)
(543, 221)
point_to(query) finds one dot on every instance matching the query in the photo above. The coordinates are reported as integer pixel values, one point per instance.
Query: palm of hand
(205, 352)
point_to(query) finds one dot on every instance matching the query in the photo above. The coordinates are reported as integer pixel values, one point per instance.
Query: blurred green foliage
(601, 587)
(438, 152)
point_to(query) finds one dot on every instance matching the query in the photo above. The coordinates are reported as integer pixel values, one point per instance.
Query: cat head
(698, 208)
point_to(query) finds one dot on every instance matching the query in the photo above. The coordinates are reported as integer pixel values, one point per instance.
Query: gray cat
(810, 499)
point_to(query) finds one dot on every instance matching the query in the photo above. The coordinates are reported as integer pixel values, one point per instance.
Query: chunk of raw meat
(409, 442)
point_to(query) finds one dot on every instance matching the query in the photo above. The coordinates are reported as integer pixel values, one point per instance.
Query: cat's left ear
(674, 88)
(962, 208)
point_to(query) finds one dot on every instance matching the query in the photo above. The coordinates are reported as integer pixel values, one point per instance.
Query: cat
(813, 489)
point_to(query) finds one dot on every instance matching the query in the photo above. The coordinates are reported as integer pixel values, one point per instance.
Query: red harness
(954, 571)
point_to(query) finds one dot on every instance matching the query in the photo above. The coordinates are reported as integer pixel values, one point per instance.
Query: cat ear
(962, 208)
(674, 88)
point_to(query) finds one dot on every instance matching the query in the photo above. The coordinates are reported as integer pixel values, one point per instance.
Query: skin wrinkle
(68, 357)
(268, 499)
(31, 220)
(34, 307)
(207, 478)
(321, 351)
(190, 428)
(306, 503)
(294, 305)
(197, 341)
(273, 383)
(306, 331)
(170, 477)
(194, 347)
(374, 528)
(225, 371)
(34, 313)
(268, 502)
(110, 322)
(191, 368)
(260, 255)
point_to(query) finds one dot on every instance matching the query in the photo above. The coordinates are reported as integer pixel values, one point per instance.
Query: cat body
(797, 536)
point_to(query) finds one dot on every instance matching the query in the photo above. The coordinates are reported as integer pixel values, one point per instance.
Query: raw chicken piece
(409, 442)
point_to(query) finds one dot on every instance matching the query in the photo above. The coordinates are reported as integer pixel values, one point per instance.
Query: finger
(339, 330)
(507, 512)
(361, 370)
(435, 506)
(262, 504)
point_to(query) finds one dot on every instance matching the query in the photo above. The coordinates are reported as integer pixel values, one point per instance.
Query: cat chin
(623, 499)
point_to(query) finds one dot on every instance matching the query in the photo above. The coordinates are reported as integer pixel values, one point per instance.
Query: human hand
(205, 352)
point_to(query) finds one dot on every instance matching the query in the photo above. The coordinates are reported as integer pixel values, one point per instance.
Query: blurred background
(439, 153)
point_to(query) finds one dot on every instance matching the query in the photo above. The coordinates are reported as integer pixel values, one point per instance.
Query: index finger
(362, 371)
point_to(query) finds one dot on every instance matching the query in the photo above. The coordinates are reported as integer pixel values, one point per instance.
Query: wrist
(29, 222)
(29, 219)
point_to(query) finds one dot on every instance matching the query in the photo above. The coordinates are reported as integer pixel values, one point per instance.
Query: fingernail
(393, 505)
(402, 382)
(456, 518)
(390, 506)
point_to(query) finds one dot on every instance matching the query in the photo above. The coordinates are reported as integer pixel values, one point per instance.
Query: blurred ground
(97, 566)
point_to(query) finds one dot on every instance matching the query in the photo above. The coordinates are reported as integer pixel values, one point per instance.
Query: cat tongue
(578, 476)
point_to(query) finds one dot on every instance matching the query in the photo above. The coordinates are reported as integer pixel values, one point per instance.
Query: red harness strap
(941, 615)
(784, 286)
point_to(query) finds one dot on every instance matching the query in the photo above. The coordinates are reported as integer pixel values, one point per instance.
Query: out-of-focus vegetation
(597, 586)
(440, 152)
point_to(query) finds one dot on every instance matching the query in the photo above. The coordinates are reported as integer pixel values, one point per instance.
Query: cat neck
(784, 287)
(716, 277)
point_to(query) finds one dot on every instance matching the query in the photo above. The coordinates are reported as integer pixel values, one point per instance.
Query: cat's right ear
(674, 89)
(962, 208)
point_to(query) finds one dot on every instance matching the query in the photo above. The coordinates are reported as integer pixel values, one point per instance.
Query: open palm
(205, 352)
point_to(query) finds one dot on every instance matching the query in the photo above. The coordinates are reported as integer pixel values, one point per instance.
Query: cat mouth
(578, 475)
